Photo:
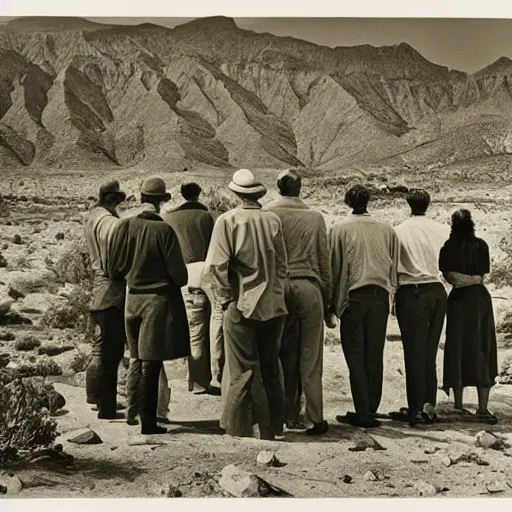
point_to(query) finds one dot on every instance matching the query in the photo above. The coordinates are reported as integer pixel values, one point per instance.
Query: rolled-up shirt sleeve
(216, 268)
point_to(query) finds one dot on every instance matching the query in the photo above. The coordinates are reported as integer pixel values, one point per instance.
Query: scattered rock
(54, 350)
(364, 442)
(5, 359)
(59, 236)
(3, 261)
(496, 486)
(505, 376)
(14, 293)
(370, 476)
(425, 489)
(419, 461)
(241, 484)
(488, 440)
(347, 479)
(432, 450)
(10, 483)
(143, 440)
(16, 239)
(168, 491)
(7, 336)
(267, 458)
(85, 436)
(447, 461)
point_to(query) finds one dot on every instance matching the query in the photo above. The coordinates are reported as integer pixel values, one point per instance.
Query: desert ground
(41, 228)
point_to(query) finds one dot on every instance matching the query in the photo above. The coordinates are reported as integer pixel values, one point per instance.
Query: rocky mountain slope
(79, 94)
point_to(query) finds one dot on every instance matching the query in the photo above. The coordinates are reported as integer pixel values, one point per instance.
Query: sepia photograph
(255, 257)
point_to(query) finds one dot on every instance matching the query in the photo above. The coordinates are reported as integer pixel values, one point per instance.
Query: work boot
(318, 429)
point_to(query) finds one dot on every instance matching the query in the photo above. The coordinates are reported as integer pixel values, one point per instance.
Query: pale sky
(464, 44)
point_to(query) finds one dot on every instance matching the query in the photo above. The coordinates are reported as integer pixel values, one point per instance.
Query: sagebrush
(25, 421)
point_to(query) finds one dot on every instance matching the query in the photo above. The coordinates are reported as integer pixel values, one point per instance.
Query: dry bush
(20, 263)
(27, 343)
(74, 314)
(505, 325)
(80, 362)
(25, 422)
(501, 271)
(218, 202)
(74, 266)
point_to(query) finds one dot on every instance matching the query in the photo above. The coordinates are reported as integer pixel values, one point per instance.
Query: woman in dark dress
(470, 353)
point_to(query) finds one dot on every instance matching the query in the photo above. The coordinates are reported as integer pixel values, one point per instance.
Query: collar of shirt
(251, 206)
(289, 202)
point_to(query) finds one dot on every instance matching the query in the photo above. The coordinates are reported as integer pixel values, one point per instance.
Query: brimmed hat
(155, 187)
(112, 187)
(244, 182)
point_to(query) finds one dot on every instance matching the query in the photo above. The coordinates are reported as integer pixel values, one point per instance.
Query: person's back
(257, 269)
(421, 240)
(366, 247)
(305, 237)
(192, 223)
(145, 262)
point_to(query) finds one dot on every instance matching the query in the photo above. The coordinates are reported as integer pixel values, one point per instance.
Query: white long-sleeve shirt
(247, 262)
(421, 240)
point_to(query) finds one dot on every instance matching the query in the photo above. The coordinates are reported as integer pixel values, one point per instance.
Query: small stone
(390, 485)
(168, 491)
(85, 436)
(241, 484)
(447, 461)
(364, 442)
(347, 479)
(419, 461)
(425, 489)
(488, 440)
(11, 483)
(267, 458)
(370, 476)
(431, 451)
(496, 486)
(54, 350)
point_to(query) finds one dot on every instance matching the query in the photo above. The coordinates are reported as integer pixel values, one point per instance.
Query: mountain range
(78, 94)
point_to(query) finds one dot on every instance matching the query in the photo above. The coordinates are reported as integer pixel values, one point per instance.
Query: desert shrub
(20, 263)
(505, 325)
(16, 239)
(27, 343)
(71, 315)
(74, 266)
(501, 273)
(3, 261)
(59, 236)
(7, 336)
(25, 422)
(219, 203)
(5, 211)
(80, 361)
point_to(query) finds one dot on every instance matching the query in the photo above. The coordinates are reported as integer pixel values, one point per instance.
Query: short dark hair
(289, 184)
(110, 198)
(418, 200)
(154, 199)
(357, 197)
(190, 191)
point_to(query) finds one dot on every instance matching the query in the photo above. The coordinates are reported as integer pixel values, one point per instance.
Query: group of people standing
(246, 298)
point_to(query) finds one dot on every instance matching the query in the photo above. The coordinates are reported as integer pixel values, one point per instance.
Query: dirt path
(196, 449)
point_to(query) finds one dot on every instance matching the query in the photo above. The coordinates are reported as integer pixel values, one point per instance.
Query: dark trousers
(107, 352)
(363, 335)
(420, 311)
(253, 393)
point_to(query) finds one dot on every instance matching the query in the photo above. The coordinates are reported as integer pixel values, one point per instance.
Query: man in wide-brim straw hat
(147, 252)
(107, 306)
(247, 266)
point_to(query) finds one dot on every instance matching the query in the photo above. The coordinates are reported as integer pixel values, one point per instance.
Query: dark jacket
(193, 225)
(146, 252)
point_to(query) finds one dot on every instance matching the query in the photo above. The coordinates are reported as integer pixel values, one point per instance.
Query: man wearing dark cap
(107, 307)
(193, 224)
(146, 251)
(420, 304)
(247, 265)
(364, 259)
(307, 299)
